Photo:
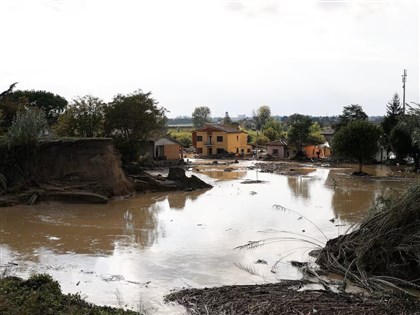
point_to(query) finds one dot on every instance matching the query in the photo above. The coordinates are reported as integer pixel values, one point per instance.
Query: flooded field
(132, 252)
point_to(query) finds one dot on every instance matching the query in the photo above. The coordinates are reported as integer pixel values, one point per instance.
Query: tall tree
(350, 113)
(85, 117)
(394, 106)
(227, 120)
(405, 136)
(200, 116)
(274, 129)
(51, 104)
(261, 116)
(299, 130)
(131, 119)
(393, 113)
(357, 140)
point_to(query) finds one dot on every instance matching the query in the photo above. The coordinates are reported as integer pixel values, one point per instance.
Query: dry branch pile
(283, 298)
(384, 249)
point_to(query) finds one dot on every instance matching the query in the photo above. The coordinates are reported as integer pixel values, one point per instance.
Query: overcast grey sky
(296, 56)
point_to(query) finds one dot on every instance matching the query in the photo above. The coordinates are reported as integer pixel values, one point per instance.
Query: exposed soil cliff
(91, 162)
(86, 170)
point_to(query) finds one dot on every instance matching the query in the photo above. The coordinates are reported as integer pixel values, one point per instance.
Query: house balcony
(208, 144)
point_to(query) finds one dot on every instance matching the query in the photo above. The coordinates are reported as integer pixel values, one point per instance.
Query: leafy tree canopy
(85, 117)
(315, 136)
(358, 140)
(227, 120)
(131, 119)
(299, 130)
(200, 116)
(261, 116)
(26, 128)
(405, 136)
(51, 104)
(350, 113)
(274, 129)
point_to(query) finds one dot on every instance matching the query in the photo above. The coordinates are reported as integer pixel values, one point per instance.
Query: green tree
(131, 119)
(52, 104)
(200, 116)
(26, 128)
(261, 116)
(274, 129)
(405, 136)
(184, 137)
(358, 140)
(299, 130)
(350, 113)
(315, 136)
(227, 120)
(393, 113)
(85, 117)
(1, 121)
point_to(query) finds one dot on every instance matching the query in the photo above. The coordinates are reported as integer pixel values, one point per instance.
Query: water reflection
(353, 196)
(87, 229)
(177, 201)
(222, 175)
(299, 186)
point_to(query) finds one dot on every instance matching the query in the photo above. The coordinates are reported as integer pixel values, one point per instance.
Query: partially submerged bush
(384, 249)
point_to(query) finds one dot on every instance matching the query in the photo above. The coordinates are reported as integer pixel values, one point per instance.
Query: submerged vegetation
(40, 294)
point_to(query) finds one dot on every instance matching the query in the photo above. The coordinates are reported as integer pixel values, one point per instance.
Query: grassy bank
(40, 294)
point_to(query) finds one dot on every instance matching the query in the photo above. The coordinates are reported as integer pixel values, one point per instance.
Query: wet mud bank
(85, 170)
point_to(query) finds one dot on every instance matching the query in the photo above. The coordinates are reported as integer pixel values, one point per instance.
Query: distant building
(278, 149)
(169, 149)
(214, 139)
(328, 133)
(319, 151)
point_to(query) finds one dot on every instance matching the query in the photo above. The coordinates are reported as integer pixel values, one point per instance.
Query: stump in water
(176, 173)
(187, 183)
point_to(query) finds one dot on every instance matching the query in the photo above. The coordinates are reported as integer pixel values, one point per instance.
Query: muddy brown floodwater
(133, 252)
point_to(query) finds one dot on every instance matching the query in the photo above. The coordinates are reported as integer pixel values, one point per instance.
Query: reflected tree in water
(299, 186)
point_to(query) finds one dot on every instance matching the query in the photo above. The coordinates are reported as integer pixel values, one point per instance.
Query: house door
(210, 151)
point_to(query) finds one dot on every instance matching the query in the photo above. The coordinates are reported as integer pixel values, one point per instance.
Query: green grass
(40, 294)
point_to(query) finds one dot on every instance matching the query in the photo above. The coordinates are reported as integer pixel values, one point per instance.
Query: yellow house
(167, 148)
(214, 139)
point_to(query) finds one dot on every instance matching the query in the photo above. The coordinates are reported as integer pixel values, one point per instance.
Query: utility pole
(404, 79)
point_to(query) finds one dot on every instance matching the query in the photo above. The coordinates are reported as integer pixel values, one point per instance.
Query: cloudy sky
(296, 56)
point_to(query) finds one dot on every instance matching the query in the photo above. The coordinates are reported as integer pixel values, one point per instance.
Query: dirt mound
(384, 249)
(92, 161)
(283, 298)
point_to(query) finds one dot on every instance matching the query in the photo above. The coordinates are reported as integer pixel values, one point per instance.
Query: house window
(237, 150)
(199, 138)
(275, 151)
(248, 150)
(237, 138)
(199, 150)
(219, 138)
(220, 151)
